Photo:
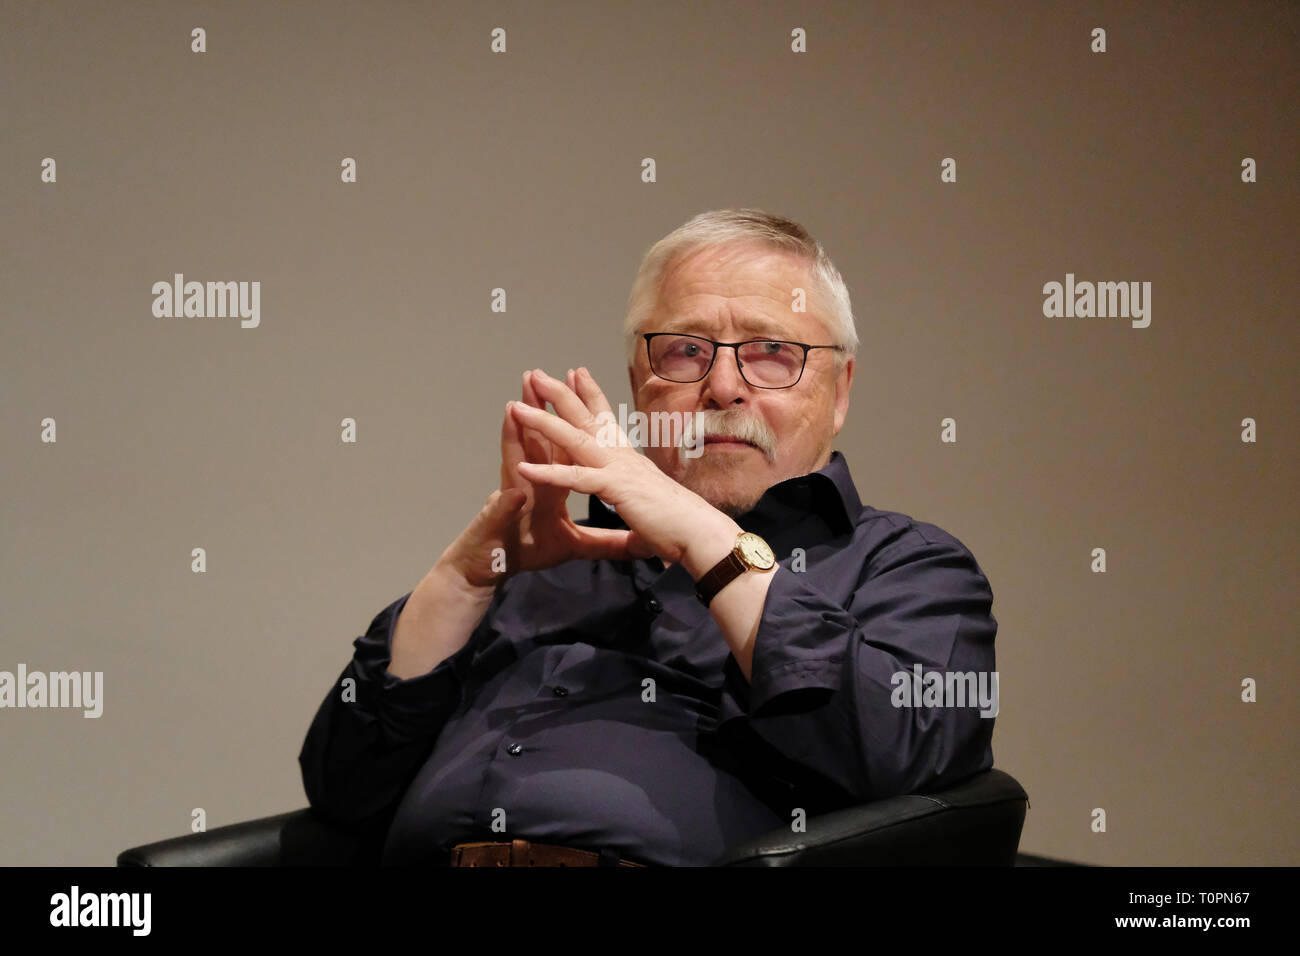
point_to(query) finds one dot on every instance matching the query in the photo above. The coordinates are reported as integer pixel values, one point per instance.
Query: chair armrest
(977, 822)
(298, 838)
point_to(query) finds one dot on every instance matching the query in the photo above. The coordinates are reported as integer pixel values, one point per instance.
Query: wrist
(712, 541)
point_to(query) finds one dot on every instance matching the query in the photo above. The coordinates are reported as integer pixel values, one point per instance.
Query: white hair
(830, 296)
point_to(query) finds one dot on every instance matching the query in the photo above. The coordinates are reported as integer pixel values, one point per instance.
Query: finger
(559, 456)
(577, 478)
(590, 393)
(609, 544)
(581, 446)
(556, 495)
(604, 424)
(535, 448)
(567, 404)
(543, 452)
(512, 450)
(584, 384)
(530, 393)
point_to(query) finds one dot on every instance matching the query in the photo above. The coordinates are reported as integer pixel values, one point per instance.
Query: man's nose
(724, 383)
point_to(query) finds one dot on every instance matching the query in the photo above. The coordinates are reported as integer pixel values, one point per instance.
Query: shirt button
(652, 605)
(559, 691)
(515, 749)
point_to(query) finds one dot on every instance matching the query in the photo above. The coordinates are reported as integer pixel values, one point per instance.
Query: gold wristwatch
(751, 553)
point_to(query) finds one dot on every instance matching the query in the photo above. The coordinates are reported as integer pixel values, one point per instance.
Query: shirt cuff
(408, 707)
(800, 645)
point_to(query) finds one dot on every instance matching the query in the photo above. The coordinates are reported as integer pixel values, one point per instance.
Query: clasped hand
(543, 458)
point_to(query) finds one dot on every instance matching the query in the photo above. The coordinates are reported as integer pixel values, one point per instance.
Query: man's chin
(717, 486)
(732, 509)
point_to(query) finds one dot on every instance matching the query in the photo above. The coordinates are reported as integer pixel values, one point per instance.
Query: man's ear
(631, 382)
(843, 382)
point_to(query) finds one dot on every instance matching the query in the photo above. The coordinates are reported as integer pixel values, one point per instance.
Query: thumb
(503, 504)
(638, 547)
(499, 509)
(611, 544)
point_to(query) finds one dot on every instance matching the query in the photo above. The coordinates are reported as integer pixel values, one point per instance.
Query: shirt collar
(829, 491)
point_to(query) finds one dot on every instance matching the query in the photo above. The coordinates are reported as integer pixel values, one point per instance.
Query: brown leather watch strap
(722, 574)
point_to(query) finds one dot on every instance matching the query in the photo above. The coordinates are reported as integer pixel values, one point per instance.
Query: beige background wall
(1120, 690)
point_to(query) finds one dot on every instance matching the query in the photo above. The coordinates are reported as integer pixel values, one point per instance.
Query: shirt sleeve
(824, 694)
(374, 730)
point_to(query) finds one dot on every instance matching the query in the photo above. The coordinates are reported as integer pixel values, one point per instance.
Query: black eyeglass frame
(736, 347)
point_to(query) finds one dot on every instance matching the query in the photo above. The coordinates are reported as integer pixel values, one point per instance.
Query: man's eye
(690, 349)
(770, 348)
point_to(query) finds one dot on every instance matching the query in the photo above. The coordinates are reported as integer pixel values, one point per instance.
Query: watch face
(755, 551)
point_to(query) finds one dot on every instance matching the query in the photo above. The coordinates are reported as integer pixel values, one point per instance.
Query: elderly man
(715, 651)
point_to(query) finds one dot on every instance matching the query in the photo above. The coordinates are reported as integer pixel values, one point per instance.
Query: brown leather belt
(526, 853)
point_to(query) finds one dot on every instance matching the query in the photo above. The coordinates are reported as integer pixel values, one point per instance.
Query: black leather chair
(977, 822)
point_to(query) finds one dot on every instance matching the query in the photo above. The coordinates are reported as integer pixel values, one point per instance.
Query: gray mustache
(730, 424)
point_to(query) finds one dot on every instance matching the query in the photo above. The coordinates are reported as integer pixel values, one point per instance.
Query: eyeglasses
(763, 363)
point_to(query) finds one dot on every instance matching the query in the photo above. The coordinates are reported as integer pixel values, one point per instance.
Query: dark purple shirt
(597, 705)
